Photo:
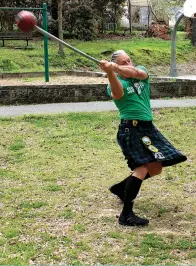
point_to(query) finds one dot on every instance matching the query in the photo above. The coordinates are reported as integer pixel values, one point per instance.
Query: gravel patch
(183, 69)
(54, 80)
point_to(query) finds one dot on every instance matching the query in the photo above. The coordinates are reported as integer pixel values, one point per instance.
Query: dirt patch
(183, 69)
(54, 80)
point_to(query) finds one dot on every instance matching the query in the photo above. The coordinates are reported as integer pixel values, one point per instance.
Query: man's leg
(133, 184)
(154, 168)
(118, 189)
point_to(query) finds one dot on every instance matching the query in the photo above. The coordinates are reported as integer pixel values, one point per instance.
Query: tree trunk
(102, 25)
(187, 25)
(10, 24)
(130, 16)
(193, 32)
(149, 11)
(114, 29)
(60, 27)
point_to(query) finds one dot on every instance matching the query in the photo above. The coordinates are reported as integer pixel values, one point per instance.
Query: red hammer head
(25, 21)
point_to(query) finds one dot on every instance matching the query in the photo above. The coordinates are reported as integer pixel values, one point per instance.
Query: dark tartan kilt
(136, 153)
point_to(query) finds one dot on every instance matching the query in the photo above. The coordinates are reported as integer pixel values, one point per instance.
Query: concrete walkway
(55, 108)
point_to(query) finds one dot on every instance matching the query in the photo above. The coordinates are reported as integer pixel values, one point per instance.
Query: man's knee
(141, 172)
(154, 168)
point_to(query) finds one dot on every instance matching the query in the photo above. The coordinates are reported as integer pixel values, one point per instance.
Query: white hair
(116, 54)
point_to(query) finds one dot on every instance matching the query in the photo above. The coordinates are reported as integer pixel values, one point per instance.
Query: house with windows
(142, 14)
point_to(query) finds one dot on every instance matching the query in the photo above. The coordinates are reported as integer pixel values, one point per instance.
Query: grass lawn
(55, 205)
(14, 57)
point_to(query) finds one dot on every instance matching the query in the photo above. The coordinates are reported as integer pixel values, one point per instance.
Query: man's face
(123, 60)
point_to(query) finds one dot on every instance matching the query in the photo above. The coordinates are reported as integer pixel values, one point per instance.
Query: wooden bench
(15, 36)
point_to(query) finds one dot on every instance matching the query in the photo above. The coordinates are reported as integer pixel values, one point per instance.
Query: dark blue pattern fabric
(129, 138)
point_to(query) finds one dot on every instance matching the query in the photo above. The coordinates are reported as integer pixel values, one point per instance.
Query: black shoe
(132, 220)
(116, 191)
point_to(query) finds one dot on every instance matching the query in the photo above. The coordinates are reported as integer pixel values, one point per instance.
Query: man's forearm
(115, 85)
(130, 72)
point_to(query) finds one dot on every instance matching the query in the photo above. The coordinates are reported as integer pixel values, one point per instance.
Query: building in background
(142, 15)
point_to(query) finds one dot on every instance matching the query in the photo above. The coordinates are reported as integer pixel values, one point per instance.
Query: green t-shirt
(135, 103)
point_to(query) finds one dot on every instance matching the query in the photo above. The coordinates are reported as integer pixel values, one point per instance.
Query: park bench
(15, 36)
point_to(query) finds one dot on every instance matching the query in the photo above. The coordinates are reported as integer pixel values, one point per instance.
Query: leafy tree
(7, 16)
(85, 22)
(116, 11)
(69, 14)
(101, 13)
(79, 19)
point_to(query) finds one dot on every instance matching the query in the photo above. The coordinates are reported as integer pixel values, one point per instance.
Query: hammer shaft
(66, 44)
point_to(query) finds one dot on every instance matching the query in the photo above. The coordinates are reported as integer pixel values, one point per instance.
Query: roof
(140, 2)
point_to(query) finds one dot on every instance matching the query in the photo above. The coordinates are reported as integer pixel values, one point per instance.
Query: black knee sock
(147, 176)
(132, 188)
(119, 188)
(121, 185)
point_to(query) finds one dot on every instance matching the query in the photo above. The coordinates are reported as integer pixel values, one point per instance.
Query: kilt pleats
(137, 152)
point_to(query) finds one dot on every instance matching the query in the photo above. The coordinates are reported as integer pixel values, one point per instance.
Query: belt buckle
(134, 123)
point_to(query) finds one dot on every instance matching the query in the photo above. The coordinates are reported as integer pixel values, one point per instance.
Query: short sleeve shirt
(135, 103)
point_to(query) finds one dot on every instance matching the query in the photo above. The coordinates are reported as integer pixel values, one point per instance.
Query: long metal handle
(66, 44)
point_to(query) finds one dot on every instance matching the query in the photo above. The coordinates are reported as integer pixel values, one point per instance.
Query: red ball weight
(25, 21)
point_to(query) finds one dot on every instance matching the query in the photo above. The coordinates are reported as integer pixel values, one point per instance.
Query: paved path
(55, 108)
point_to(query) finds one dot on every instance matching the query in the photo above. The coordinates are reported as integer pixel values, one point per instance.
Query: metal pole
(45, 26)
(173, 69)
(19, 8)
(66, 44)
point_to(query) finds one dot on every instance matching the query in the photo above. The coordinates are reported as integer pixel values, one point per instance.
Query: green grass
(55, 205)
(147, 51)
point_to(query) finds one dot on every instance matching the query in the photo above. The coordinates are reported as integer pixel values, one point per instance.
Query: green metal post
(45, 26)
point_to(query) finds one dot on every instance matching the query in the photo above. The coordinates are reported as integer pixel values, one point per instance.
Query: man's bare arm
(130, 71)
(115, 84)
